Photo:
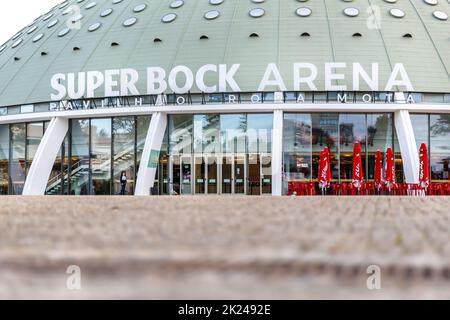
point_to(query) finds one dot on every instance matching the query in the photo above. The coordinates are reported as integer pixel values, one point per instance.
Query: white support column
(277, 153)
(39, 173)
(408, 146)
(150, 155)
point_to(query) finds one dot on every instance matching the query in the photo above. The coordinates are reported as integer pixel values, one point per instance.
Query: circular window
(303, 12)
(258, 1)
(176, 4)
(90, 5)
(431, 2)
(117, 1)
(63, 32)
(129, 22)
(351, 12)
(215, 2)
(76, 18)
(211, 15)
(94, 26)
(397, 13)
(52, 23)
(16, 36)
(169, 17)
(257, 12)
(106, 12)
(140, 7)
(15, 44)
(440, 15)
(390, 1)
(2, 48)
(32, 29)
(67, 11)
(48, 16)
(63, 5)
(38, 37)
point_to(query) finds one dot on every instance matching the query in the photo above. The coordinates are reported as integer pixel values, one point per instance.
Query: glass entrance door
(227, 175)
(240, 175)
(200, 175)
(266, 174)
(254, 175)
(186, 175)
(211, 162)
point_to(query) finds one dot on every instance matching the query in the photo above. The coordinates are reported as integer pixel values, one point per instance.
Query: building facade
(221, 96)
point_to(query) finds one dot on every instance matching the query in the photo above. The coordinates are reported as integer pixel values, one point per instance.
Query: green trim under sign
(153, 160)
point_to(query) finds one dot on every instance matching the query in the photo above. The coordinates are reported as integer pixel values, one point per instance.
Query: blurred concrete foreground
(224, 247)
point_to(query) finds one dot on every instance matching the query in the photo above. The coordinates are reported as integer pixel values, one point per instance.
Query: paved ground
(224, 247)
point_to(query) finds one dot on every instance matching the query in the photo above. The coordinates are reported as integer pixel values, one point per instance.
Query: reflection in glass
(4, 159)
(181, 129)
(124, 153)
(142, 125)
(352, 129)
(440, 150)
(101, 156)
(79, 162)
(379, 137)
(18, 165)
(233, 133)
(35, 132)
(325, 134)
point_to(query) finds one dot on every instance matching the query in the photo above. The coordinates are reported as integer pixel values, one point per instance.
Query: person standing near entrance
(123, 183)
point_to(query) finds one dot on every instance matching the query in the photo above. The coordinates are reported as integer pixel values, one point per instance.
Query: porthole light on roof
(63, 32)
(351, 12)
(63, 5)
(211, 15)
(48, 16)
(140, 7)
(16, 36)
(106, 12)
(257, 12)
(176, 4)
(32, 29)
(78, 1)
(52, 23)
(431, 2)
(91, 5)
(169, 17)
(76, 18)
(129, 22)
(38, 37)
(397, 13)
(390, 1)
(215, 2)
(303, 12)
(15, 44)
(2, 48)
(440, 15)
(258, 1)
(94, 26)
(117, 1)
(67, 11)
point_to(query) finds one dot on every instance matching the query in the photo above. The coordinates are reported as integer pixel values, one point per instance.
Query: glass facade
(434, 131)
(307, 134)
(220, 154)
(214, 153)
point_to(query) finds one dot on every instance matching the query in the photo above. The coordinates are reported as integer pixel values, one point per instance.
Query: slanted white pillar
(39, 173)
(150, 155)
(407, 142)
(277, 153)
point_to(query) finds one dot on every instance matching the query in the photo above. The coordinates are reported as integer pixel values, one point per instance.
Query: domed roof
(85, 35)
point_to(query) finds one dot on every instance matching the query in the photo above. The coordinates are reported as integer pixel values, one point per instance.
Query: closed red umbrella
(357, 172)
(324, 175)
(378, 171)
(424, 175)
(389, 173)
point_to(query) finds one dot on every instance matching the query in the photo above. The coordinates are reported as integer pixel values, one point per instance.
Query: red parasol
(424, 175)
(357, 173)
(389, 174)
(378, 174)
(324, 169)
